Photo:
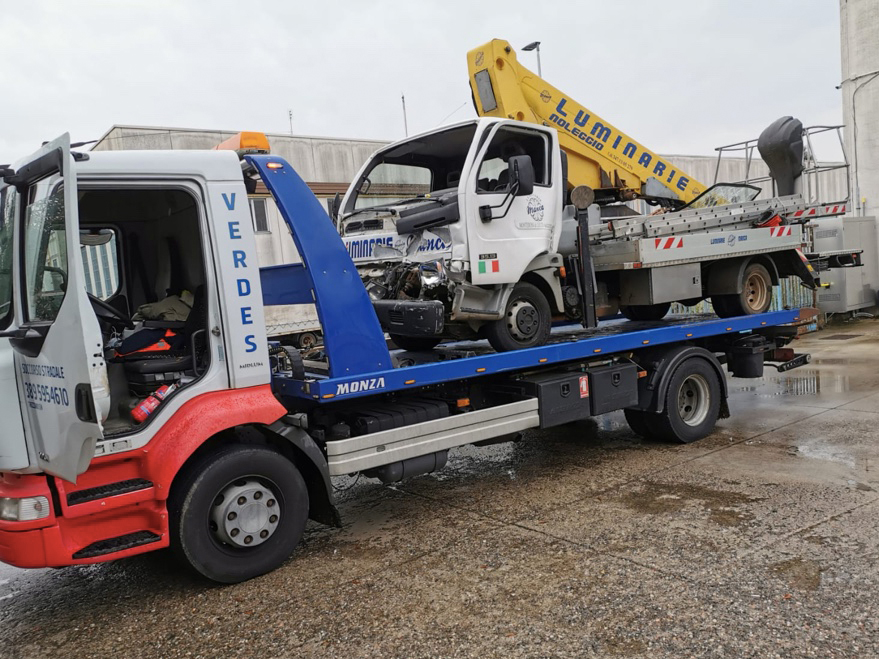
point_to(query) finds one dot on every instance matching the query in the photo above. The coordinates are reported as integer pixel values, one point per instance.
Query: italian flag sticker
(489, 266)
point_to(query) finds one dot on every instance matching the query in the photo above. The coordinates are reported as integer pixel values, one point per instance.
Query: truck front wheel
(238, 513)
(526, 322)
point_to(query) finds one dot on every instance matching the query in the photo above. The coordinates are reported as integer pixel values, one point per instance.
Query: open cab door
(57, 339)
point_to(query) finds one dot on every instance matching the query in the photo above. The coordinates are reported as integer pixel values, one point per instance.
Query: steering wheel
(110, 310)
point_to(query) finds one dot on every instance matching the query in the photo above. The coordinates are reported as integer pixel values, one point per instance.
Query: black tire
(194, 502)
(756, 295)
(646, 312)
(692, 403)
(306, 340)
(721, 306)
(526, 323)
(415, 343)
(642, 423)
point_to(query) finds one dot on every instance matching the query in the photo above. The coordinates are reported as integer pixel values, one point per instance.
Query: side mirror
(521, 172)
(335, 205)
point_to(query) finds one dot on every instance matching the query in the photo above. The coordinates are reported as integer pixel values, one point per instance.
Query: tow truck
(242, 451)
(500, 226)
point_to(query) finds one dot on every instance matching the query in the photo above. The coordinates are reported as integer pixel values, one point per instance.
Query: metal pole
(405, 122)
(539, 70)
(290, 115)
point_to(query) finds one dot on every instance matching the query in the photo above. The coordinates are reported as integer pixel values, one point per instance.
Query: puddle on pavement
(801, 383)
(800, 573)
(827, 453)
(664, 498)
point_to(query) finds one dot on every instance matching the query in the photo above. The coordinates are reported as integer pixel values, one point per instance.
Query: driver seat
(148, 369)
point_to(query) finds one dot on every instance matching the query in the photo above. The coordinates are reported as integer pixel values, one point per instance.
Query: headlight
(24, 510)
(376, 291)
(432, 273)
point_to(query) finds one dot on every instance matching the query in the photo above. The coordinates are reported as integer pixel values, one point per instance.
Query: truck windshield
(725, 193)
(7, 220)
(413, 168)
(388, 184)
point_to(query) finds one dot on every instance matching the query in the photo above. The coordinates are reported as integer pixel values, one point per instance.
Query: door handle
(85, 403)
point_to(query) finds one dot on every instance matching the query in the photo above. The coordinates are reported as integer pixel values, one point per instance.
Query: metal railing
(812, 168)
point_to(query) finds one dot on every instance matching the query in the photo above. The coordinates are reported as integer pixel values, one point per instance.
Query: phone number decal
(44, 393)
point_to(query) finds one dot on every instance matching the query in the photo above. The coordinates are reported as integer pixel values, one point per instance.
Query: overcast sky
(681, 76)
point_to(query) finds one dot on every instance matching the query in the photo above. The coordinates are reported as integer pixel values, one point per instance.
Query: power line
(451, 113)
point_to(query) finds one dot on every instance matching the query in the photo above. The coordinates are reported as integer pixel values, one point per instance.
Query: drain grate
(840, 337)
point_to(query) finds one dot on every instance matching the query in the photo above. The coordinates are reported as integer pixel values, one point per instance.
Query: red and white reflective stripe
(838, 209)
(778, 232)
(668, 243)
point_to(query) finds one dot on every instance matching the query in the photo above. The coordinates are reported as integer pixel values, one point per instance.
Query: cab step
(109, 490)
(121, 543)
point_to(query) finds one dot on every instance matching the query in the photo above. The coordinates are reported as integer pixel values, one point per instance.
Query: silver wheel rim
(523, 319)
(245, 513)
(307, 341)
(694, 400)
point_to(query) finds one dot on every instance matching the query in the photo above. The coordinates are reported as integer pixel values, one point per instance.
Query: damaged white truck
(473, 230)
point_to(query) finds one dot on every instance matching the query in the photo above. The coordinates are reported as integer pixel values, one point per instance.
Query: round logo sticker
(535, 208)
(545, 96)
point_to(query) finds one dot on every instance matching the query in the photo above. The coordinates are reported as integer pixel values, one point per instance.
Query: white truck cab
(464, 213)
(78, 356)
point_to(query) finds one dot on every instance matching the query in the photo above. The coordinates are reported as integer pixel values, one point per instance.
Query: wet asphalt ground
(582, 541)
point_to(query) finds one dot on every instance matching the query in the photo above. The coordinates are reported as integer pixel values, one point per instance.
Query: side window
(260, 215)
(507, 142)
(7, 221)
(45, 245)
(98, 248)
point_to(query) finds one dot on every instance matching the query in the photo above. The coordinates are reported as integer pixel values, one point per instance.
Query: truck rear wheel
(415, 343)
(526, 322)
(646, 311)
(756, 295)
(238, 513)
(692, 403)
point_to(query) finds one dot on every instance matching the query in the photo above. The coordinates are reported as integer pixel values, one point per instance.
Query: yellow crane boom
(600, 155)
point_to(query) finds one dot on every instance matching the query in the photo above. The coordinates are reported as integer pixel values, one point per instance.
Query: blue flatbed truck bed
(396, 415)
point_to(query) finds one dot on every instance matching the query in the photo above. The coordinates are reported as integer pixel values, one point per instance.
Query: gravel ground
(582, 541)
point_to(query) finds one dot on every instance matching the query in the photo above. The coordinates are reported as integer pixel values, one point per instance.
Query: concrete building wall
(317, 159)
(859, 25)
(329, 164)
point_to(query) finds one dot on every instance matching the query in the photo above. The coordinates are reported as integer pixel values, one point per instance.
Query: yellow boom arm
(599, 154)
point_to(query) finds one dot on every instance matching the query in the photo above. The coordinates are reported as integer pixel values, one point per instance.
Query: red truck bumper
(117, 507)
(115, 527)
